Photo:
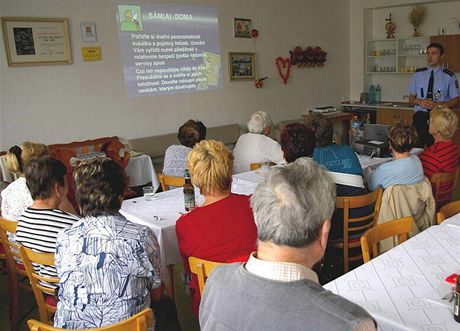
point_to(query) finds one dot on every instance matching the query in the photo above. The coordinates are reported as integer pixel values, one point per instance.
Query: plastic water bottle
(378, 94)
(372, 95)
(356, 129)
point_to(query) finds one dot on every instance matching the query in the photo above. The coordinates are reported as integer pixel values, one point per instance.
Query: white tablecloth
(402, 288)
(168, 207)
(140, 171)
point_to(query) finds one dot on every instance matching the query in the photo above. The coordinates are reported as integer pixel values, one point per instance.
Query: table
(169, 206)
(140, 171)
(402, 288)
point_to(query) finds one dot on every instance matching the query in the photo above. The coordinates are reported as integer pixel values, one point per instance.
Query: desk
(402, 288)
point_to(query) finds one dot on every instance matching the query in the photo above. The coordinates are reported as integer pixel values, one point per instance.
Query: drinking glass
(148, 193)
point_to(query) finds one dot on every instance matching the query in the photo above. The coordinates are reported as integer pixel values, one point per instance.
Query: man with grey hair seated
(277, 289)
(255, 146)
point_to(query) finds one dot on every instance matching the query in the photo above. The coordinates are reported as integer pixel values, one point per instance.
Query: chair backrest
(355, 226)
(370, 239)
(444, 185)
(202, 269)
(11, 249)
(29, 256)
(448, 210)
(167, 181)
(255, 166)
(139, 322)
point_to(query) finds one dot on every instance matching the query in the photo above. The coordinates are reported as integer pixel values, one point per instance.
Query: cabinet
(395, 56)
(451, 45)
(389, 116)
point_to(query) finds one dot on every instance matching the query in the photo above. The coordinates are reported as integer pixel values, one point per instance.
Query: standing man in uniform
(430, 87)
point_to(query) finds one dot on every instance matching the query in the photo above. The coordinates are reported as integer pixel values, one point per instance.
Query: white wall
(63, 103)
(370, 14)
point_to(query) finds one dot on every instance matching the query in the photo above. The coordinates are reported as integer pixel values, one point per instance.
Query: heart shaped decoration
(284, 68)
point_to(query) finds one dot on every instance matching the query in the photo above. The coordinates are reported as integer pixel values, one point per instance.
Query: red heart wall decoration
(284, 68)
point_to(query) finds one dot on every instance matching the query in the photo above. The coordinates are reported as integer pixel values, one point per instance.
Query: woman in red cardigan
(223, 228)
(443, 155)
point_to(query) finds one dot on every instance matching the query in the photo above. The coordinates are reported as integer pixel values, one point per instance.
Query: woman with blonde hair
(16, 196)
(443, 155)
(222, 229)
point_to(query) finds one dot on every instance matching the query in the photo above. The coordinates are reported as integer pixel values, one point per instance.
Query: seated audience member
(176, 155)
(443, 155)
(344, 167)
(109, 267)
(202, 129)
(256, 146)
(277, 289)
(297, 140)
(39, 224)
(406, 169)
(16, 197)
(223, 228)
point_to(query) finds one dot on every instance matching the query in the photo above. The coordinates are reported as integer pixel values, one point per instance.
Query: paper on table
(376, 142)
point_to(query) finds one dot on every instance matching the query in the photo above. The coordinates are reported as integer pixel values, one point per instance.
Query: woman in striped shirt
(39, 224)
(443, 155)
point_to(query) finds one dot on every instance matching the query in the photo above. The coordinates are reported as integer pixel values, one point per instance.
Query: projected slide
(169, 48)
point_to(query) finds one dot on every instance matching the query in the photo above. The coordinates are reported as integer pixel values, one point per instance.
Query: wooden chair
(202, 269)
(167, 181)
(440, 193)
(44, 296)
(139, 322)
(17, 275)
(255, 166)
(370, 239)
(448, 210)
(352, 227)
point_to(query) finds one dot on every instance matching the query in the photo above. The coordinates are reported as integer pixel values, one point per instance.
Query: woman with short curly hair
(175, 161)
(222, 229)
(297, 140)
(406, 169)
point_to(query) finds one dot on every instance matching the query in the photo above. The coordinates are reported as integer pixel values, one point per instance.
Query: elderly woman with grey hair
(277, 288)
(256, 146)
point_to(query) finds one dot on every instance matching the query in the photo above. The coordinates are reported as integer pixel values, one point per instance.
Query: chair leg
(14, 304)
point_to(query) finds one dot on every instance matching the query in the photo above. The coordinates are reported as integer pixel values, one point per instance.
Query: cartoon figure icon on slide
(130, 18)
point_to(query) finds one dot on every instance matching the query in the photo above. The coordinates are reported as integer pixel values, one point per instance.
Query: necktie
(429, 92)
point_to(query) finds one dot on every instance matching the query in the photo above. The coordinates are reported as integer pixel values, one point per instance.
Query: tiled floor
(29, 311)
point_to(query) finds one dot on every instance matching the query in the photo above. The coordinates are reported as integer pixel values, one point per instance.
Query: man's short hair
(297, 140)
(322, 128)
(259, 121)
(438, 46)
(402, 137)
(99, 187)
(41, 176)
(291, 205)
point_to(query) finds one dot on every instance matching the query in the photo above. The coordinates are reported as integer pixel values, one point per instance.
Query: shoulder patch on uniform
(421, 69)
(447, 71)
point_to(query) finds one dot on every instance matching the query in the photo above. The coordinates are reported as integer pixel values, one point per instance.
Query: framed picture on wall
(36, 41)
(242, 28)
(242, 65)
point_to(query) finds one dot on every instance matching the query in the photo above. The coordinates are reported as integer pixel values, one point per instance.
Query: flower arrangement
(416, 17)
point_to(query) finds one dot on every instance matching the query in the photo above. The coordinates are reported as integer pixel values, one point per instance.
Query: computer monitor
(378, 132)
